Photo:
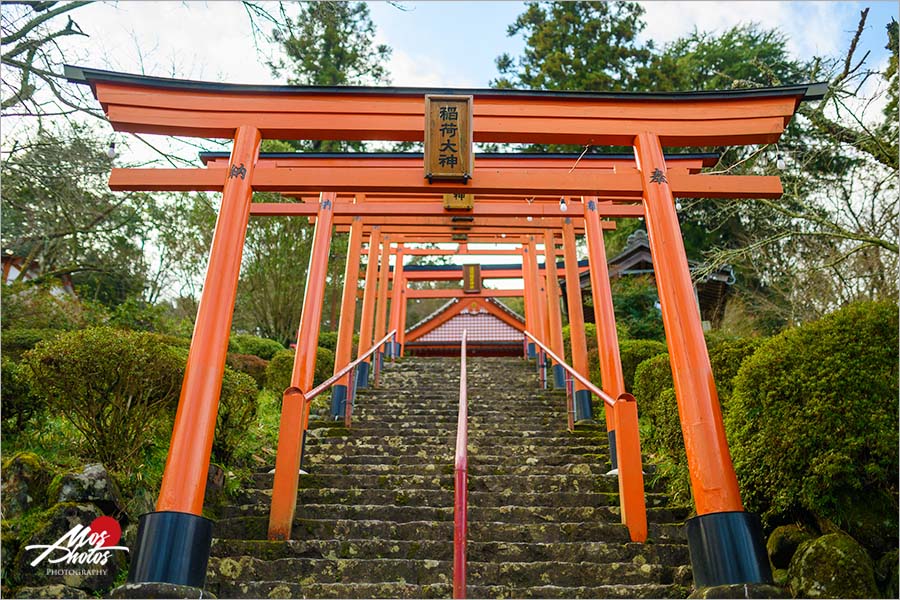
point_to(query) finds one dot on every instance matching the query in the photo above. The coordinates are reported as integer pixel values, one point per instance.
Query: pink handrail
(461, 485)
(628, 447)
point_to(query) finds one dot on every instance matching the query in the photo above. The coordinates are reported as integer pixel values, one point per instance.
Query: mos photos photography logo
(81, 550)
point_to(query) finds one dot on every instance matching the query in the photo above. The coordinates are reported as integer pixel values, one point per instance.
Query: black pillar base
(583, 410)
(362, 375)
(727, 548)
(559, 377)
(613, 456)
(172, 547)
(532, 351)
(338, 401)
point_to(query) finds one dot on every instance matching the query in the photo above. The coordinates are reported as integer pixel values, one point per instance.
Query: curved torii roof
(488, 321)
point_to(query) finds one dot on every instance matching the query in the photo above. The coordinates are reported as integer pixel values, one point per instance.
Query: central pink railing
(461, 484)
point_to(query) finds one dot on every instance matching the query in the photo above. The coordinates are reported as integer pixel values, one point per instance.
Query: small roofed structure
(712, 291)
(493, 329)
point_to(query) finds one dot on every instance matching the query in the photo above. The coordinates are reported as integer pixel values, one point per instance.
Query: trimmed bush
(328, 339)
(111, 384)
(812, 421)
(278, 373)
(19, 404)
(250, 344)
(237, 412)
(249, 364)
(633, 353)
(726, 355)
(17, 341)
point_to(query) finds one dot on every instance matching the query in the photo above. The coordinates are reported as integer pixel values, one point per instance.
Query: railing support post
(461, 483)
(173, 543)
(631, 477)
(292, 430)
(725, 542)
(367, 317)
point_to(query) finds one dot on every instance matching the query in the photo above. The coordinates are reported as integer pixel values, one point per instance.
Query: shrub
(250, 344)
(16, 341)
(652, 378)
(110, 384)
(237, 412)
(812, 421)
(19, 404)
(43, 307)
(633, 353)
(278, 373)
(726, 357)
(249, 364)
(328, 339)
(635, 301)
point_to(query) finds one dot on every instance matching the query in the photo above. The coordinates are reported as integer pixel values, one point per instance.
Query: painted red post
(344, 348)
(401, 331)
(528, 293)
(162, 553)
(397, 299)
(555, 335)
(582, 397)
(631, 477)
(294, 408)
(725, 542)
(605, 319)
(461, 482)
(367, 316)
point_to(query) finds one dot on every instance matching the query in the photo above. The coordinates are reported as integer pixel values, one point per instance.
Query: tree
(588, 46)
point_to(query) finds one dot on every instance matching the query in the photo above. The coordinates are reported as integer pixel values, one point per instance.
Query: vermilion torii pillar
(381, 306)
(398, 299)
(725, 546)
(554, 318)
(582, 397)
(344, 347)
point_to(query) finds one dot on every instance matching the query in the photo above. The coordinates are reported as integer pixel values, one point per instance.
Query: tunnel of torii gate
(380, 198)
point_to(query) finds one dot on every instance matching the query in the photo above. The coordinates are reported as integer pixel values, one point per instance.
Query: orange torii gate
(173, 543)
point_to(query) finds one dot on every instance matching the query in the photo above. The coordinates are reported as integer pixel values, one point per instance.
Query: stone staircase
(375, 514)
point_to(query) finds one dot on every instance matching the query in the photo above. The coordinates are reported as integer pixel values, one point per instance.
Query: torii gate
(173, 543)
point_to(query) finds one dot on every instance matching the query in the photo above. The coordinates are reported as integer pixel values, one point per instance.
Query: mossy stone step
(316, 570)
(292, 589)
(641, 590)
(666, 554)
(429, 468)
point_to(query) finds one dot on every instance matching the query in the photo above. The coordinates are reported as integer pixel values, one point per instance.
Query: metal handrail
(461, 484)
(578, 376)
(628, 446)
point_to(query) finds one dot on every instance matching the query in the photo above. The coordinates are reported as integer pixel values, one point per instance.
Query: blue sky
(451, 44)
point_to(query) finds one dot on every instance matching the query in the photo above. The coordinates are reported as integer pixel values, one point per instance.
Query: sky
(446, 44)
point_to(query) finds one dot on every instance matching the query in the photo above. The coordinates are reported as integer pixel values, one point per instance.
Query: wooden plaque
(471, 279)
(459, 201)
(448, 138)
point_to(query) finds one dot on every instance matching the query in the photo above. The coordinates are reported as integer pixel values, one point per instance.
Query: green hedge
(249, 364)
(812, 422)
(19, 405)
(633, 353)
(264, 348)
(16, 341)
(278, 373)
(237, 412)
(111, 384)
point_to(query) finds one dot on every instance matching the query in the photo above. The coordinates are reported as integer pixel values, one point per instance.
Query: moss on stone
(832, 566)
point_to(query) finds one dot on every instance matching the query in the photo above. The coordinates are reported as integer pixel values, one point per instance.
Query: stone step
(255, 528)
(486, 445)
(558, 438)
(492, 512)
(486, 483)
(325, 466)
(427, 572)
(317, 456)
(443, 498)
(292, 589)
(666, 554)
(639, 590)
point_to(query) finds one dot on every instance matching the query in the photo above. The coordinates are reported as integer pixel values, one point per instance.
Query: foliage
(16, 341)
(635, 302)
(278, 373)
(111, 384)
(237, 412)
(328, 339)
(633, 353)
(243, 343)
(248, 364)
(726, 355)
(27, 306)
(576, 46)
(812, 421)
(19, 405)
(138, 314)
